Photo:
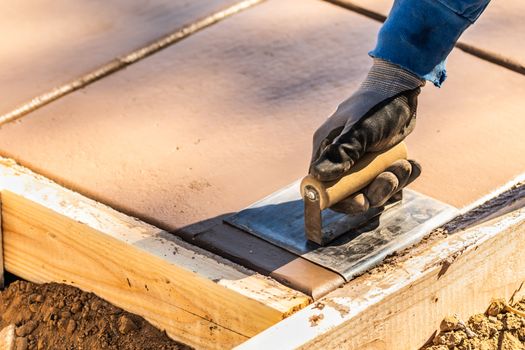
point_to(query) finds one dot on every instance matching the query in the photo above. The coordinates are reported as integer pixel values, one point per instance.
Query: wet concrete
(469, 136)
(499, 30)
(207, 126)
(222, 119)
(47, 43)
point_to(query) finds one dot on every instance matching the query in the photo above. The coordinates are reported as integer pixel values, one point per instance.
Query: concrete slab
(209, 125)
(47, 43)
(218, 121)
(469, 137)
(180, 145)
(499, 29)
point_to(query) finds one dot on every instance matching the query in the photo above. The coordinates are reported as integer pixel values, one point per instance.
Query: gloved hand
(379, 115)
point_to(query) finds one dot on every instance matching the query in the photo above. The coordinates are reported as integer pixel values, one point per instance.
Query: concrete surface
(500, 29)
(208, 125)
(220, 120)
(47, 43)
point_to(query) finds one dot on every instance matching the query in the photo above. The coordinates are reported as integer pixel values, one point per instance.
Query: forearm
(419, 34)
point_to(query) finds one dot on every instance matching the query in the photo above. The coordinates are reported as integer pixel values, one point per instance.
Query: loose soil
(499, 328)
(57, 316)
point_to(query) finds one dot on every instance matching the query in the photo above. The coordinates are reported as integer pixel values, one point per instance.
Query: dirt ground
(57, 316)
(500, 328)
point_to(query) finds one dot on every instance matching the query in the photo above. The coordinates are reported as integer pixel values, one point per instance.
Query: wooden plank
(53, 234)
(2, 278)
(400, 305)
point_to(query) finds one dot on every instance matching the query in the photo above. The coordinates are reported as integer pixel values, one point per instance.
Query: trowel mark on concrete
(199, 185)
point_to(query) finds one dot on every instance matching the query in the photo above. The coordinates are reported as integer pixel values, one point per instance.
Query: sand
(58, 316)
(497, 328)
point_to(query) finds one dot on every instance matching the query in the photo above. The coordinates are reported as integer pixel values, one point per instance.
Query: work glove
(379, 115)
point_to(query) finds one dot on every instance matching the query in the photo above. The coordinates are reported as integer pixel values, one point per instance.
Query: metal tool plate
(279, 219)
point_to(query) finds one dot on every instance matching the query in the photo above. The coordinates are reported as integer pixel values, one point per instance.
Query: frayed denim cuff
(418, 35)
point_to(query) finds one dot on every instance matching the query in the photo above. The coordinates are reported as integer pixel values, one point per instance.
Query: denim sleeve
(418, 35)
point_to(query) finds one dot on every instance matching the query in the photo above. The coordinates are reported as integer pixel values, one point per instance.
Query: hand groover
(359, 127)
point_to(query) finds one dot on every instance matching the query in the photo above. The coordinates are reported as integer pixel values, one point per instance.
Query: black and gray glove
(379, 115)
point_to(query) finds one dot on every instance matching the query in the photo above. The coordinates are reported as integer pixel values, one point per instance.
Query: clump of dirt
(501, 327)
(57, 316)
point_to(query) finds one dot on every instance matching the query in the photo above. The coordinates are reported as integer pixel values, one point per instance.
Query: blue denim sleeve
(418, 35)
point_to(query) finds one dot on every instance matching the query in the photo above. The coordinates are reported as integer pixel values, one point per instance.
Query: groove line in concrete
(126, 60)
(492, 57)
(483, 54)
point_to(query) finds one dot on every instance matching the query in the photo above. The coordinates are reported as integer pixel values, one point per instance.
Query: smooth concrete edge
(268, 259)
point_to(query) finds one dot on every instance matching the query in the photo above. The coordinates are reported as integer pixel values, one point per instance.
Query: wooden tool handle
(361, 174)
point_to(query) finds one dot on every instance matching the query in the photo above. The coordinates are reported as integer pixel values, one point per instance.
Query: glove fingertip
(324, 170)
(381, 189)
(354, 205)
(416, 171)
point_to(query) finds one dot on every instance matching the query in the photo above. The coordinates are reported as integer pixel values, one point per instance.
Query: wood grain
(2, 279)
(400, 306)
(54, 235)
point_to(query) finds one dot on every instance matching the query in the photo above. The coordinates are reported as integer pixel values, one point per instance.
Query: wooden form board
(53, 234)
(399, 306)
(2, 278)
